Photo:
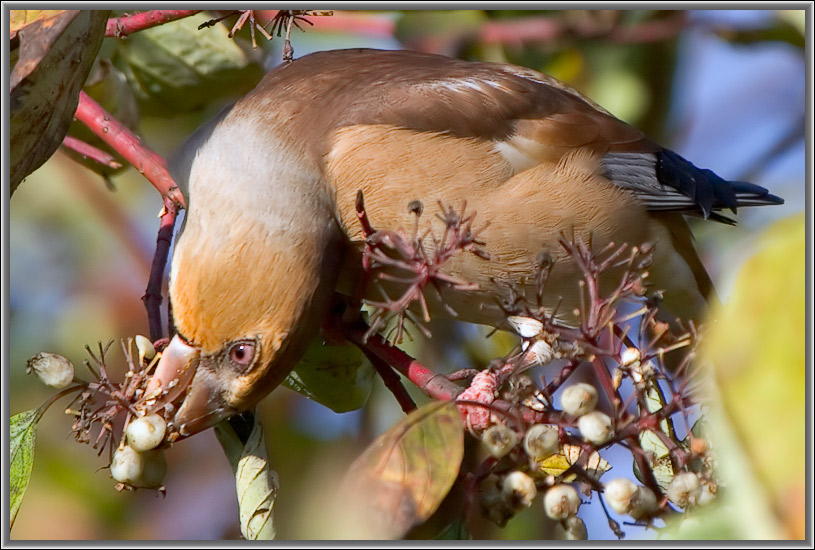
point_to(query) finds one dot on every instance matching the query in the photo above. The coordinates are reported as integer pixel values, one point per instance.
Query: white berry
(626, 497)
(578, 399)
(499, 440)
(684, 489)
(146, 470)
(53, 370)
(596, 427)
(561, 502)
(519, 489)
(644, 503)
(541, 441)
(127, 465)
(146, 432)
(145, 347)
(491, 498)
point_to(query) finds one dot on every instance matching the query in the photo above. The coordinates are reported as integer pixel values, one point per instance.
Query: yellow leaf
(21, 18)
(555, 465)
(756, 346)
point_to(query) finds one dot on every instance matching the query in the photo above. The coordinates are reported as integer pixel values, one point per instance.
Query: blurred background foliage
(726, 89)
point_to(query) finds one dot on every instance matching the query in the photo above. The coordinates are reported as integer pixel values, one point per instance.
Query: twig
(119, 27)
(154, 168)
(374, 25)
(391, 380)
(549, 30)
(433, 384)
(152, 297)
(129, 145)
(90, 152)
(393, 256)
(284, 19)
(546, 29)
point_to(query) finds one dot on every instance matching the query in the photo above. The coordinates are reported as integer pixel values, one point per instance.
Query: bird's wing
(528, 117)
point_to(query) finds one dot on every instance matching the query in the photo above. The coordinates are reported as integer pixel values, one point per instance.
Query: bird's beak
(177, 374)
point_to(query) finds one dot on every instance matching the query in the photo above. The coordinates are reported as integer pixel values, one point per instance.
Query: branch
(366, 24)
(433, 384)
(129, 145)
(154, 168)
(392, 381)
(90, 152)
(119, 27)
(546, 29)
(152, 297)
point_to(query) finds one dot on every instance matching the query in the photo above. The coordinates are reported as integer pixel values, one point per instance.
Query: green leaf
(256, 484)
(662, 466)
(401, 479)
(22, 431)
(338, 377)
(177, 67)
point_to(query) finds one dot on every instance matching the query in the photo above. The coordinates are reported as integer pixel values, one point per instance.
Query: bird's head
(251, 278)
(244, 315)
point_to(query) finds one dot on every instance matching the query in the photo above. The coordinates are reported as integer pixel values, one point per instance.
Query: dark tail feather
(709, 191)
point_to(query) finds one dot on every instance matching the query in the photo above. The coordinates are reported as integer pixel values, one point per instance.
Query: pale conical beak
(178, 372)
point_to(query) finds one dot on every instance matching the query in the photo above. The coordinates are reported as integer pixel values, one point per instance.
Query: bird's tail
(709, 191)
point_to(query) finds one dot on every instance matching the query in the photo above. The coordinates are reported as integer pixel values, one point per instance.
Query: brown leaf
(55, 55)
(401, 479)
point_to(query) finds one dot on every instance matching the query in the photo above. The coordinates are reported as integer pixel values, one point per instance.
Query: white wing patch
(514, 155)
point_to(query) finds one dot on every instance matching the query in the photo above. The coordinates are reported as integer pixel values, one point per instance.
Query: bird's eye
(242, 353)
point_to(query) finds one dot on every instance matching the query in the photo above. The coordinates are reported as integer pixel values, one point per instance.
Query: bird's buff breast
(518, 215)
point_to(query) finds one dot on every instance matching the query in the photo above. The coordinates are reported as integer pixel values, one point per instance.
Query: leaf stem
(57, 396)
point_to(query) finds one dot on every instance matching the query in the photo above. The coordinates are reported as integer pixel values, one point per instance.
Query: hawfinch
(271, 229)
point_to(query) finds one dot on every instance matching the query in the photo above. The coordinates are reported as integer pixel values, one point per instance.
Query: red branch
(433, 384)
(392, 381)
(366, 24)
(547, 30)
(119, 27)
(90, 152)
(154, 168)
(129, 145)
(517, 31)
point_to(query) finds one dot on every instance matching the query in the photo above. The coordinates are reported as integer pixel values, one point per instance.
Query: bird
(272, 232)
